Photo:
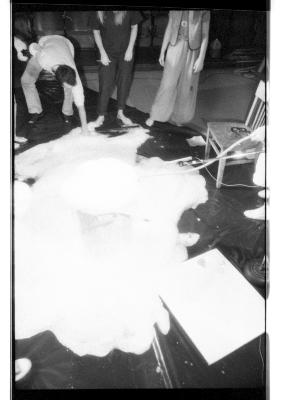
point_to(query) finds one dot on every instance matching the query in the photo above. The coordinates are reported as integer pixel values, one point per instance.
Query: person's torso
(115, 37)
(55, 50)
(193, 29)
(184, 28)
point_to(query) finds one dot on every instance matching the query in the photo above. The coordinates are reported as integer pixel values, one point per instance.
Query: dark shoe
(67, 119)
(35, 117)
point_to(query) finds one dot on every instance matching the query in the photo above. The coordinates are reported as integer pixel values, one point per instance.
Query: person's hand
(85, 131)
(162, 59)
(104, 59)
(128, 55)
(20, 46)
(198, 66)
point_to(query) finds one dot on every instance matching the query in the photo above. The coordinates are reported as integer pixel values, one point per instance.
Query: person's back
(55, 50)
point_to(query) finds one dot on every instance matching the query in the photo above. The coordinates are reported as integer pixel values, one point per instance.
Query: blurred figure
(259, 176)
(23, 36)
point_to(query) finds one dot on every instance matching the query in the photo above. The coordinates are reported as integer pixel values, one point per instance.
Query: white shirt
(54, 50)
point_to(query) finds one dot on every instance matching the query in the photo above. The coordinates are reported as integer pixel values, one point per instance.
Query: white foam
(99, 228)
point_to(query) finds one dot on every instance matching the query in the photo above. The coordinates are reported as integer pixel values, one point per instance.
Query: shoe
(188, 239)
(22, 367)
(258, 213)
(67, 119)
(20, 139)
(35, 117)
(262, 194)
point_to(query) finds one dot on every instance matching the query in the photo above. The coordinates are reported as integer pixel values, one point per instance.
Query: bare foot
(123, 119)
(98, 122)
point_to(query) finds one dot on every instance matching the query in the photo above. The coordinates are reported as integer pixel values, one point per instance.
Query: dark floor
(220, 223)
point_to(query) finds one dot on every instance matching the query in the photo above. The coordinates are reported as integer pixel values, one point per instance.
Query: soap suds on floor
(94, 232)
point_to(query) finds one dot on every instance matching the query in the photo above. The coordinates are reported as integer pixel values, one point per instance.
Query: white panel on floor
(215, 305)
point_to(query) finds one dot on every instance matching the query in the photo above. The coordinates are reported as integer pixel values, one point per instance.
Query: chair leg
(208, 145)
(220, 173)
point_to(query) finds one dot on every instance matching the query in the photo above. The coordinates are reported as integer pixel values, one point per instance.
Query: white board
(215, 305)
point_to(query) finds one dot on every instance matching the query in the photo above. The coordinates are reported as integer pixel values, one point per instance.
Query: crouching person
(54, 54)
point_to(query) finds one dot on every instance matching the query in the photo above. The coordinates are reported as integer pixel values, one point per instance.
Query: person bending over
(54, 54)
(115, 34)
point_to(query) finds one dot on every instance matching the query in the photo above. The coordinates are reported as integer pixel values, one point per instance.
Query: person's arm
(103, 55)
(133, 36)
(166, 40)
(83, 119)
(198, 65)
(79, 99)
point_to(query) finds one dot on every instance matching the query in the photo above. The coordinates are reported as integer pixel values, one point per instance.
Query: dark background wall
(234, 29)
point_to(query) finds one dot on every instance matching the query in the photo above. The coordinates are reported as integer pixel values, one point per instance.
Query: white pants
(32, 98)
(259, 175)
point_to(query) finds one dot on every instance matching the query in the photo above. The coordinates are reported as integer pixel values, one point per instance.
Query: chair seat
(222, 134)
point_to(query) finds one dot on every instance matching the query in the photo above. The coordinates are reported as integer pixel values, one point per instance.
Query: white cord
(261, 358)
(210, 161)
(201, 166)
(233, 185)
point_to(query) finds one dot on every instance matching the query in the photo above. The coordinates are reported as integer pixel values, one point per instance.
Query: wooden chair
(221, 135)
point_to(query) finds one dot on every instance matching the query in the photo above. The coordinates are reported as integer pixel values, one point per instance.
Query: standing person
(115, 33)
(55, 54)
(19, 46)
(23, 36)
(186, 38)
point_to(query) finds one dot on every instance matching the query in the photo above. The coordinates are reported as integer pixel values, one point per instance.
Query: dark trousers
(118, 72)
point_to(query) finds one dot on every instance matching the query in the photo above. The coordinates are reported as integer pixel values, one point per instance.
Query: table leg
(220, 173)
(208, 145)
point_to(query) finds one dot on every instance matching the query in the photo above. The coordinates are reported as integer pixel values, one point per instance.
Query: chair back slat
(261, 117)
(258, 117)
(260, 92)
(250, 114)
(255, 115)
